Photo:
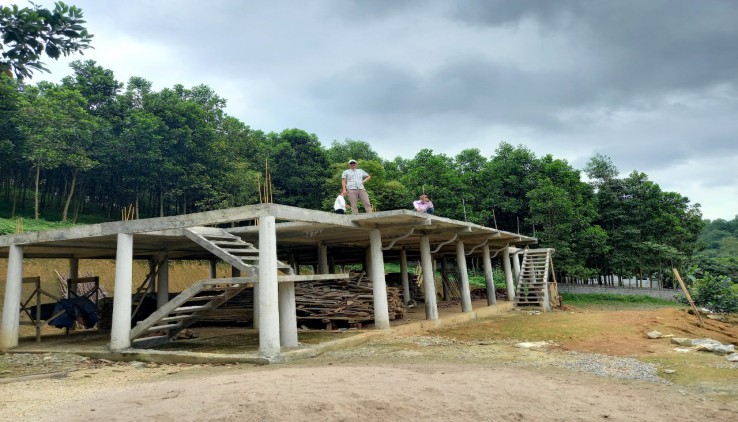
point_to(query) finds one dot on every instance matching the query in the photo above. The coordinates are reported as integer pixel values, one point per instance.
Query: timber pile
(239, 309)
(343, 300)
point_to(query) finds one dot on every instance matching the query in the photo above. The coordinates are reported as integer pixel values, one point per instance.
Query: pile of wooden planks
(343, 300)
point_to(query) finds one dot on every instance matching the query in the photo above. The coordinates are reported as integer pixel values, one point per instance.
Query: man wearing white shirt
(353, 181)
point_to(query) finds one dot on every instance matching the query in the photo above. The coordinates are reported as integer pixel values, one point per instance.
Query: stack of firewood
(347, 300)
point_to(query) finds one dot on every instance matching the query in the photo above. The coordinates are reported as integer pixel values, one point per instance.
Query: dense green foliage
(720, 254)
(29, 32)
(93, 146)
(716, 293)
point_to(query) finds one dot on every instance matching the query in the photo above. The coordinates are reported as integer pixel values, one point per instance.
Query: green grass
(605, 300)
(8, 226)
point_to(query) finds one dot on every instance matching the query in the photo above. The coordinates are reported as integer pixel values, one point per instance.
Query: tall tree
(29, 32)
(58, 131)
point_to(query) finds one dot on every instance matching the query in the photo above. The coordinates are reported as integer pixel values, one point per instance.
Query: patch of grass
(8, 226)
(615, 301)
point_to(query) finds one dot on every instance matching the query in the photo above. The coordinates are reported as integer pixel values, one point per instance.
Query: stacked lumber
(239, 310)
(343, 300)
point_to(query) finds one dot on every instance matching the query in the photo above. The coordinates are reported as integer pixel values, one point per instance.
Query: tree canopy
(92, 147)
(30, 32)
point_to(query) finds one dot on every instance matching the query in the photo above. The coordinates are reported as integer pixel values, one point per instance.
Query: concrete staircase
(186, 308)
(533, 286)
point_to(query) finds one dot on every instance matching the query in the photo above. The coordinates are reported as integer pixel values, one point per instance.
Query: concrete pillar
(162, 287)
(508, 274)
(368, 262)
(488, 277)
(322, 258)
(213, 268)
(515, 257)
(331, 264)
(255, 305)
(429, 283)
(293, 263)
(287, 315)
(73, 273)
(73, 268)
(11, 304)
(404, 277)
(269, 335)
(120, 334)
(444, 285)
(379, 284)
(151, 288)
(466, 303)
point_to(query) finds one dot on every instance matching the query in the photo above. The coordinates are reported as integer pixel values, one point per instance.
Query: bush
(718, 294)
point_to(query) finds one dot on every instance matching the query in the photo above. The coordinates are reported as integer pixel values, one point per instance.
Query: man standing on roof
(353, 181)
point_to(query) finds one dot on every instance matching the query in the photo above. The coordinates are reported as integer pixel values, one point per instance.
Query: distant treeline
(88, 148)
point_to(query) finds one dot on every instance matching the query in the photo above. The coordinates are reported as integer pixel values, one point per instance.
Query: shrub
(718, 294)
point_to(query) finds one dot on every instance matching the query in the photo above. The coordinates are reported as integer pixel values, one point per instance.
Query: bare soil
(599, 365)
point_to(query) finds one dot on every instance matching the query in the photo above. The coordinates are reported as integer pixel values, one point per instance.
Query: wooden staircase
(533, 285)
(186, 308)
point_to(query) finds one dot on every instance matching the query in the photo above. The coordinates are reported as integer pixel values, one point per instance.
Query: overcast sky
(653, 84)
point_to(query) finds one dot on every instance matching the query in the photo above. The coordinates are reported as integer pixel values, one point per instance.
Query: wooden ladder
(533, 285)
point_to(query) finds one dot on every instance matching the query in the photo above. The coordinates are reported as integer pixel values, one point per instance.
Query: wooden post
(689, 298)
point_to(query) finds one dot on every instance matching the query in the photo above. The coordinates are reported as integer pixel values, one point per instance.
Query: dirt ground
(598, 365)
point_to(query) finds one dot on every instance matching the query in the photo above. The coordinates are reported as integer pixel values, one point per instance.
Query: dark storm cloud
(650, 83)
(640, 47)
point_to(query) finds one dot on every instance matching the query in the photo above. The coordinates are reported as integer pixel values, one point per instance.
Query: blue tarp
(75, 309)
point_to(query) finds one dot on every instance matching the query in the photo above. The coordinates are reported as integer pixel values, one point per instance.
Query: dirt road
(606, 370)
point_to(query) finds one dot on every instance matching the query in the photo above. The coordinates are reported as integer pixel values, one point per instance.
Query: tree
(350, 149)
(28, 33)
(58, 131)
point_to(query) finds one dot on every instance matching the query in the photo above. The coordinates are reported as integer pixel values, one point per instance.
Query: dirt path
(599, 367)
(346, 392)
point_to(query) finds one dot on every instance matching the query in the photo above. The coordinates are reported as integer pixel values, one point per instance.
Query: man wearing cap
(353, 181)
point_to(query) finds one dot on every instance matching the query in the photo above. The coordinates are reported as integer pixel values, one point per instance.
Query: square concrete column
(429, 281)
(508, 273)
(269, 336)
(488, 277)
(322, 258)
(11, 304)
(162, 287)
(466, 304)
(379, 284)
(404, 277)
(120, 333)
(515, 257)
(287, 315)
